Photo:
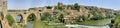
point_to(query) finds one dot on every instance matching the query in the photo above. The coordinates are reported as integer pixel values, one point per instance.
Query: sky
(25, 4)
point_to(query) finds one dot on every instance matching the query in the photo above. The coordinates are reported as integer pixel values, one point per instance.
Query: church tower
(3, 7)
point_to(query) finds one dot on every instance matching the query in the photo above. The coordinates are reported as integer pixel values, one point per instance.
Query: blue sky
(25, 4)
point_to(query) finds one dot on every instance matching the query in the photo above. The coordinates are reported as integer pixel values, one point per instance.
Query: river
(84, 26)
(30, 25)
(100, 24)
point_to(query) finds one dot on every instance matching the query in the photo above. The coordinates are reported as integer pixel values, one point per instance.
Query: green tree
(76, 6)
(61, 18)
(116, 23)
(48, 7)
(97, 17)
(59, 7)
(31, 17)
(10, 19)
(45, 16)
(84, 18)
(117, 14)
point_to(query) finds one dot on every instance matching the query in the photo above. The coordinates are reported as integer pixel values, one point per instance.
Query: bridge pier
(24, 20)
(37, 17)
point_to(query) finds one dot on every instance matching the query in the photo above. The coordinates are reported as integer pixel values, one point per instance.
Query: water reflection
(83, 26)
(30, 20)
(18, 18)
(29, 25)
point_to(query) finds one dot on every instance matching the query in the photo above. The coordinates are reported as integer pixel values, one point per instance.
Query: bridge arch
(31, 17)
(19, 18)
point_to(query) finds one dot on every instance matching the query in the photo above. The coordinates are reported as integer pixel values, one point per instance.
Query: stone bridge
(24, 14)
(14, 13)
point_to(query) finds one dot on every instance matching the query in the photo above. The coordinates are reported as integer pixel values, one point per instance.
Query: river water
(30, 25)
(101, 24)
(84, 26)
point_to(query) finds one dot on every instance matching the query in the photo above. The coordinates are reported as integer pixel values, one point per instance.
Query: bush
(10, 19)
(45, 16)
(48, 7)
(85, 18)
(31, 17)
(2, 15)
(97, 18)
(116, 23)
(76, 6)
(61, 18)
(59, 8)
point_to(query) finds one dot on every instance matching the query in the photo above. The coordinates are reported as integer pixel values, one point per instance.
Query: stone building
(3, 7)
(3, 10)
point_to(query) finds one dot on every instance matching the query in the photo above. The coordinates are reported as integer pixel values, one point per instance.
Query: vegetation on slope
(116, 22)
(10, 19)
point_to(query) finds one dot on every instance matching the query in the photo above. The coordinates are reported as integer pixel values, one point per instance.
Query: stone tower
(3, 7)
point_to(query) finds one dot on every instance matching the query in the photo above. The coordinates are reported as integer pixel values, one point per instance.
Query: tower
(3, 7)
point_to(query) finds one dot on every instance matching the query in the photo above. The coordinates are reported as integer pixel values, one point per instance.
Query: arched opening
(19, 18)
(30, 19)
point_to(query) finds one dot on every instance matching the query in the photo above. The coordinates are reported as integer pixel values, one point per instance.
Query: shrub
(76, 6)
(45, 16)
(10, 19)
(116, 23)
(59, 8)
(2, 15)
(31, 17)
(61, 18)
(97, 18)
(48, 7)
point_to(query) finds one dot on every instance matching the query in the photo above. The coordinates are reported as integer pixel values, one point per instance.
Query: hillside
(70, 14)
(80, 11)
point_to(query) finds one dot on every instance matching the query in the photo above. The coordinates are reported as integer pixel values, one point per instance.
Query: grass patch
(39, 24)
(18, 26)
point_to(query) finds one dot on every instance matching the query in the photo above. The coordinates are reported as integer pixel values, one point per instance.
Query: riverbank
(98, 23)
(40, 24)
(84, 26)
(95, 22)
